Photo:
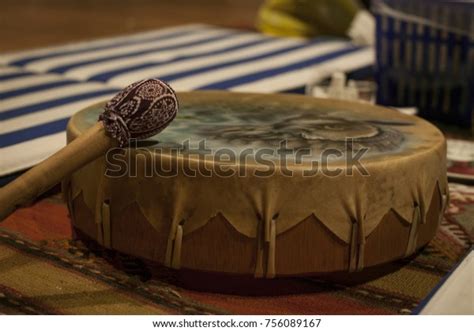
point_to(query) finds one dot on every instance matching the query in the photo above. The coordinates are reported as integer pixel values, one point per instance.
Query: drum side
(310, 247)
(390, 240)
(217, 246)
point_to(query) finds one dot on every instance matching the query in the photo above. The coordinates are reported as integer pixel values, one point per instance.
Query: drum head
(239, 121)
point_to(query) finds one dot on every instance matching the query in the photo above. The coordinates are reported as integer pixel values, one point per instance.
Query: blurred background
(35, 23)
(418, 55)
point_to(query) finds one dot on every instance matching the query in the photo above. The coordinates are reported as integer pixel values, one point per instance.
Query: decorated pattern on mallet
(139, 111)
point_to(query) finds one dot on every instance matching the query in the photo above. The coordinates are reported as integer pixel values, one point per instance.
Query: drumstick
(139, 111)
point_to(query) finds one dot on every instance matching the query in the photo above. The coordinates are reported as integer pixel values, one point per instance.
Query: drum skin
(275, 224)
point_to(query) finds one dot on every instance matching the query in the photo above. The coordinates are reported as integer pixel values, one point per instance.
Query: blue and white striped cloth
(41, 89)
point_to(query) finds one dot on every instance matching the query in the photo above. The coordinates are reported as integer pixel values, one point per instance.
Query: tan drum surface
(266, 185)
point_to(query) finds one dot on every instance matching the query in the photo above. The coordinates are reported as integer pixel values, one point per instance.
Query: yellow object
(307, 18)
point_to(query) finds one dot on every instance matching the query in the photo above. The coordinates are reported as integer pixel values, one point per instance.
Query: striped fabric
(41, 89)
(425, 58)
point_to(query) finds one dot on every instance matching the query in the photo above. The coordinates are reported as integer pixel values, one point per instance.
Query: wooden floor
(37, 23)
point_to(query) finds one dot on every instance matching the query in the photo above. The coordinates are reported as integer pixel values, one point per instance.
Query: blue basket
(425, 57)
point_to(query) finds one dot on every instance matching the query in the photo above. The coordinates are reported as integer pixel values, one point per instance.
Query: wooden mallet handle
(137, 112)
(51, 171)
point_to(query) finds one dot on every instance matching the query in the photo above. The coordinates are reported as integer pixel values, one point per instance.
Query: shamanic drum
(265, 185)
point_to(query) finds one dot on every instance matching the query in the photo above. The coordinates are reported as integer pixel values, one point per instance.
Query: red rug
(44, 271)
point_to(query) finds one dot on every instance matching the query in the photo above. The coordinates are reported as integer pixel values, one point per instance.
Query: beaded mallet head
(140, 110)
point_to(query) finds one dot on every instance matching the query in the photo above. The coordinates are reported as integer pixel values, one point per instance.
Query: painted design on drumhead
(307, 130)
(256, 126)
(241, 125)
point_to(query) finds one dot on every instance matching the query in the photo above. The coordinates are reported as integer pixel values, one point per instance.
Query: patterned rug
(44, 271)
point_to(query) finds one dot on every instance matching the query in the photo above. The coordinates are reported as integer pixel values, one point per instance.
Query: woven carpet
(43, 270)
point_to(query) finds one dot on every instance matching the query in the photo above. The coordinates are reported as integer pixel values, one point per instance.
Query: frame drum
(265, 185)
